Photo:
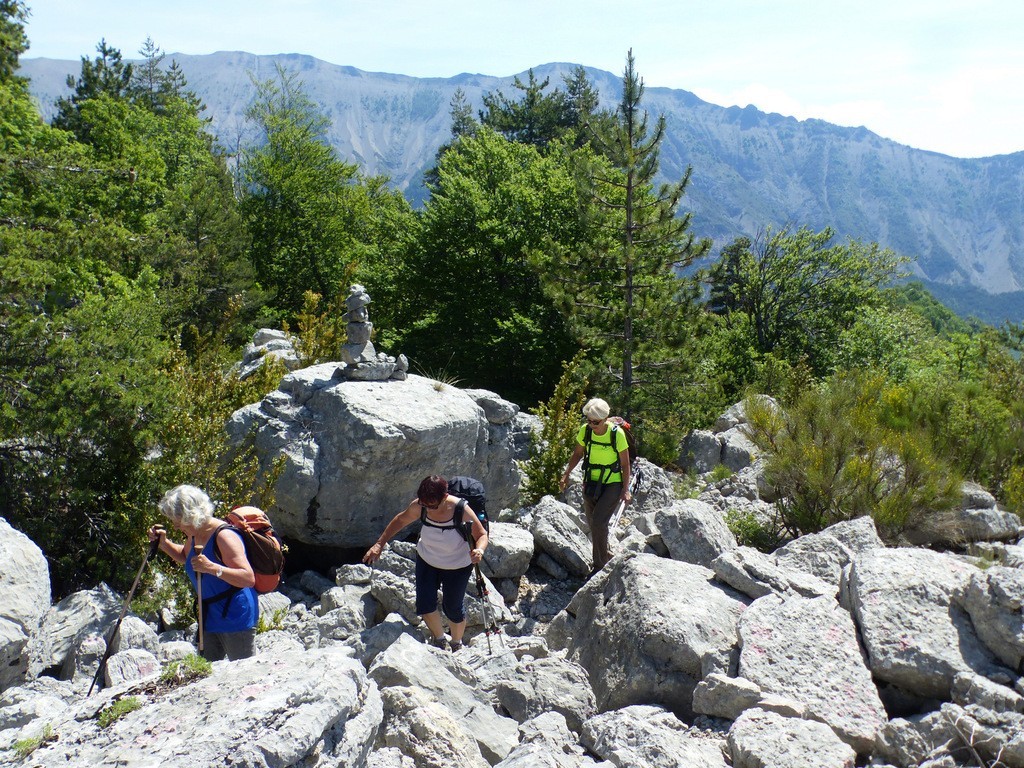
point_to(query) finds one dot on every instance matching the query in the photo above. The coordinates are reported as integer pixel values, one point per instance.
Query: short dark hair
(433, 490)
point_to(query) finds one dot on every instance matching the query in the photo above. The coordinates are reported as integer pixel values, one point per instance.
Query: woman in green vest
(604, 450)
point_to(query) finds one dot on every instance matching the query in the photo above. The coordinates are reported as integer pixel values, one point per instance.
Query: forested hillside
(136, 260)
(961, 221)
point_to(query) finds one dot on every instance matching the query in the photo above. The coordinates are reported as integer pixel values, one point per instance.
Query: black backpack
(470, 492)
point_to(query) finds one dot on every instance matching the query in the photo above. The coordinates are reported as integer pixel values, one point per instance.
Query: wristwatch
(220, 572)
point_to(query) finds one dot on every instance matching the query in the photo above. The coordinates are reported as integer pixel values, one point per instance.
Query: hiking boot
(440, 642)
(455, 647)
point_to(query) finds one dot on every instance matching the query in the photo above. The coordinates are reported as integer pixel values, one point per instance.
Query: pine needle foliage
(627, 301)
(550, 448)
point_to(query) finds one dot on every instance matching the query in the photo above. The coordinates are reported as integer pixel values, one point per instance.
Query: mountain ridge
(962, 219)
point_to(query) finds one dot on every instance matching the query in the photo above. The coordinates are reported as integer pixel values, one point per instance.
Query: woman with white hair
(230, 605)
(604, 450)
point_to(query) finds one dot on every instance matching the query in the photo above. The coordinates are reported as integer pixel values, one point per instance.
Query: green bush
(24, 747)
(551, 448)
(275, 621)
(832, 458)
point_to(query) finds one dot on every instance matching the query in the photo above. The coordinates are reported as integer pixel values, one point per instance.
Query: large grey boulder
(756, 574)
(977, 518)
(738, 450)
(354, 452)
(719, 695)
(345, 611)
(311, 705)
(135, 633)
(651, 737)
(407, 663)
(644, 627)
(914, 634)
(129, 665)
(65, 626)
(826, 553)
(806, 649)
(694, 532)
(701, 451)
(994, 599)
(557, 533)
(509, 551)
(267, 344)
(548, 685)
(761, 739)
(420, 727)
(24, 599)
(547, 741)
(24, 579)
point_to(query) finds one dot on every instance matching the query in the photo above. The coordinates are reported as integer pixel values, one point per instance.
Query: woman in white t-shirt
(444, 557)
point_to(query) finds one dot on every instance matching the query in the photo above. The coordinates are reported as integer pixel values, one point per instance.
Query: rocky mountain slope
(961, 219)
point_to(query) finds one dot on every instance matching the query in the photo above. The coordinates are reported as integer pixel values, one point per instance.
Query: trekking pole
(153, 547)
(634, 486)
(199, 593)
(490, 625)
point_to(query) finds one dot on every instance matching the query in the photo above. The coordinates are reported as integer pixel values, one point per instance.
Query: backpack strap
(607, 470)
(424, 520)
(227, 595)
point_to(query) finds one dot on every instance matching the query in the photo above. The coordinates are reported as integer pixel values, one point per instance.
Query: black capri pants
(453, 583)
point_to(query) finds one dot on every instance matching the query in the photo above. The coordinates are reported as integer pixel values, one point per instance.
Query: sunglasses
(595, 422)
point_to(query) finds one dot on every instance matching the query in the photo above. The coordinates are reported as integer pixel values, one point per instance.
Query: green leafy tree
(799, 291)
(106, 74)
(310, 215)
(13, 41)
(81, 399)
(497, 208)
(536, 118)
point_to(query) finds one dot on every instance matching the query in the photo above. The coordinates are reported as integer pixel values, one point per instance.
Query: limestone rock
(825, 554)
(642, 628)
(719, 695)
(24, 599)
(756, 574)
(806, 649)
(354, 452)
(557, 534)
(694, 532)
(129, 665)
(408, 663)
(425, 730)
(914, 634)
(247, 713)
(652, 737)
(548, 685)
(760, 739)
(509, 551)
(994, 599)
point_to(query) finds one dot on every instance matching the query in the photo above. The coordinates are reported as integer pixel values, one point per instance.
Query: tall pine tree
(628, 300)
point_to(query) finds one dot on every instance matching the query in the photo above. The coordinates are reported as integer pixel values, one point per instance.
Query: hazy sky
(943, 75)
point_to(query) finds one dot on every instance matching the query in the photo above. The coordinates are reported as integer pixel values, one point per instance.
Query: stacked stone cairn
(361, 361)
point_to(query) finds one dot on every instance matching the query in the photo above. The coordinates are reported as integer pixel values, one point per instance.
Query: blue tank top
(231, 614)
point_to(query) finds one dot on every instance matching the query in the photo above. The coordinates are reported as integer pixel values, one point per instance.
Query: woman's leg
(599, 519)
(453, 585)
(428, 580)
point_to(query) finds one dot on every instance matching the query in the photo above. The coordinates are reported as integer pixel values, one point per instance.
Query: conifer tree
(628, 300)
